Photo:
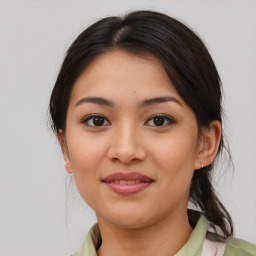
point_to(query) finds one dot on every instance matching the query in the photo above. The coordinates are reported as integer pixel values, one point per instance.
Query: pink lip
(142, 182)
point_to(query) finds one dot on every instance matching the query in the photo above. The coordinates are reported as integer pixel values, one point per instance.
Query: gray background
(35, 216)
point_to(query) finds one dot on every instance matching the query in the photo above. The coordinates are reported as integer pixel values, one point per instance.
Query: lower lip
(128, 189)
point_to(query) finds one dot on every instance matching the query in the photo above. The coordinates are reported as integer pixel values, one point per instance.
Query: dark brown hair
(185, 60)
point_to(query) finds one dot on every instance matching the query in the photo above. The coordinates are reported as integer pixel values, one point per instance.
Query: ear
(208, 145)
(64, 149)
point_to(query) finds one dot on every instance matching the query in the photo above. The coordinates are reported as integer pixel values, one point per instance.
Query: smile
(127, 183)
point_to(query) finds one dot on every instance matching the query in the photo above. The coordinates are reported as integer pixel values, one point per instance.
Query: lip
(127, 183)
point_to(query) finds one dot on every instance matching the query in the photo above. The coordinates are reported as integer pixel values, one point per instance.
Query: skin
(129, 141)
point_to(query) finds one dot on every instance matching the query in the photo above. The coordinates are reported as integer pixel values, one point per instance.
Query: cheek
(175, 163)
(177, 152)
(87, 156)
(86, 150)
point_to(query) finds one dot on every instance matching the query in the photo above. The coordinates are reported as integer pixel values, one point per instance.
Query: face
(131, 141)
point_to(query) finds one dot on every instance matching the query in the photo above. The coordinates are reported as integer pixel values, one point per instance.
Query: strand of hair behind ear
(203, 195)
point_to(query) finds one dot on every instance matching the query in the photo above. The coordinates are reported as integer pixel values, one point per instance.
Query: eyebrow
(144, 103)
(158, 100)
(96, 100)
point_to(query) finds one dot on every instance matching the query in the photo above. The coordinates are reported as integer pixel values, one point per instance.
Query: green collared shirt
(193, 247)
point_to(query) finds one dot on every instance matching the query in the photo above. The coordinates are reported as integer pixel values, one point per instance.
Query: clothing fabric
(193, 247)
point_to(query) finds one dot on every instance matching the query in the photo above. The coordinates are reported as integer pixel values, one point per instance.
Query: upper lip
(127, 177)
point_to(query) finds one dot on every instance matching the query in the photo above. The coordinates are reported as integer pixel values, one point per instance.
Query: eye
(160, 120)
(95, 120)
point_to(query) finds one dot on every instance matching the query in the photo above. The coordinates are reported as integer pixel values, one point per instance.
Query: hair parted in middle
(187, 63)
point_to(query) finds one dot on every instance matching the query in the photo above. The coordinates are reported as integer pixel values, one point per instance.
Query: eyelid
(87, 118)
(167, 117)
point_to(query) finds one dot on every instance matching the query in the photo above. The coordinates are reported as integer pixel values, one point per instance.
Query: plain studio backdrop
(36, 218)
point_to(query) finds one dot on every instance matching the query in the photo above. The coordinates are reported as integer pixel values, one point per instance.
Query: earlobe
(208, 145)
(63, 145)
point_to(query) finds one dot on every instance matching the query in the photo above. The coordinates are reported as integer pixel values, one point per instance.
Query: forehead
(118, 73)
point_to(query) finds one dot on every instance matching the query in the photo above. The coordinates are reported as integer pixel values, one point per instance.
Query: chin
(131, 219)
(130, 222)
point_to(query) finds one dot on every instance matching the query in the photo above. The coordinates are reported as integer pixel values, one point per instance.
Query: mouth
(127, 183)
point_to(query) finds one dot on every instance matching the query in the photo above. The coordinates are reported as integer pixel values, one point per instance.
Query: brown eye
(160, 120)
(96, 121)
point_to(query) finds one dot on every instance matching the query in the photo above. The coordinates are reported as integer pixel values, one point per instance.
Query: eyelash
(167, 118)
(90, 117)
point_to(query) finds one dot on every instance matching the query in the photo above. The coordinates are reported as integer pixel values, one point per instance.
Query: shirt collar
(193, 246)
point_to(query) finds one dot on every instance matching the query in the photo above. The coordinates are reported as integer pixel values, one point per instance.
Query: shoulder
(239, 247)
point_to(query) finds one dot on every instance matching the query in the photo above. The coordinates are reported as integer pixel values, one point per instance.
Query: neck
(165, 237)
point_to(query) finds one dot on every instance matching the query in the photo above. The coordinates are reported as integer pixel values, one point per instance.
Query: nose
(126, 146)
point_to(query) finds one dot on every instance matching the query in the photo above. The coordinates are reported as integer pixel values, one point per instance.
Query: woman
(137, 111)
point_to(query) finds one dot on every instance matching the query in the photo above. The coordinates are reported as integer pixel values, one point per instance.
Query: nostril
(126, 149)
(115, 159)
